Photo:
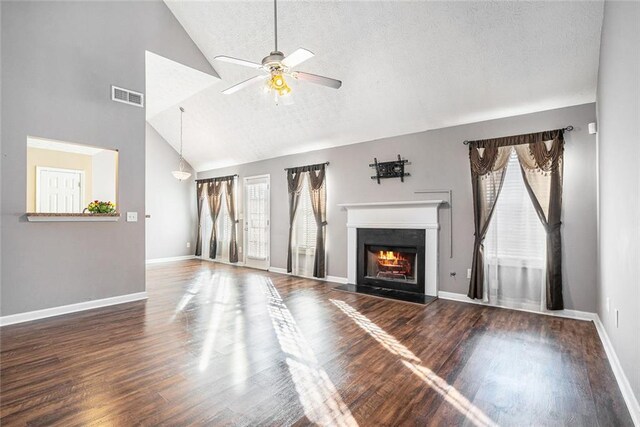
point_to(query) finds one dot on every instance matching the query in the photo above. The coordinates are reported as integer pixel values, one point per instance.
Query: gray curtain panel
(214, 200)
(317, 189)
(230, 197)
(542, 170)
(294, 182)
(488, 166)
(541, 161)
(200, 189)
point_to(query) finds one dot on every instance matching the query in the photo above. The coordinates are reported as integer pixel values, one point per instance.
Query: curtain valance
(307, 168)
(527, 138)
(490, 155)
(216, 179)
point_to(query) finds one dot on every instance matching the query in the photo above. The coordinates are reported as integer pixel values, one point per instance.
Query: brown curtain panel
(294, 183)
(214, 200)
(541, 161)
(317, 188)
(488, 165)
(230, 198)
(200, 188)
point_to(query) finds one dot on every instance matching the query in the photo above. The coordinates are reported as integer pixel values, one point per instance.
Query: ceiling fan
(276, 66)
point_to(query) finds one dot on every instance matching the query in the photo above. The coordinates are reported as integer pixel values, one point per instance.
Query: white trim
(421, 225)
(72, 218)
(333, 279)
(71, 308)
(170, 259)
(569, 314)
(618, 372)
(391, 204)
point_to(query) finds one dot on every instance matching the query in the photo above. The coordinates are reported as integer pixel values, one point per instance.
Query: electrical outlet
(617, 318)
(468, 273)
(608, 304)
(188, 244)
(132, 216)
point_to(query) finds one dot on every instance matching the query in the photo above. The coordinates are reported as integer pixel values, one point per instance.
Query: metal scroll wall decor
(393, 169)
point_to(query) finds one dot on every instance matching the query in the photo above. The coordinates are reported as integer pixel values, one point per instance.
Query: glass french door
(257, 221)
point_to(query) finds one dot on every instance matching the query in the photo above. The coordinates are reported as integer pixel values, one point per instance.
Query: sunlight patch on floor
(318, 395)
(411, 361)
(219, 304)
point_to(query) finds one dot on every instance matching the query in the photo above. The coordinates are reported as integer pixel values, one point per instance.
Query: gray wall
(619, 182)
(171, 203)
(59, 60)
(440, 161)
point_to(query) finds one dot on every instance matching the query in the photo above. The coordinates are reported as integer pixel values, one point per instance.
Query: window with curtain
(304, 234)
(515, 246)
(224, 231)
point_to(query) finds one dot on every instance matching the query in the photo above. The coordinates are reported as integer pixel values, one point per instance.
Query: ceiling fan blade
(244, 84)
(319, 80)
(297, 57)
(237, 61)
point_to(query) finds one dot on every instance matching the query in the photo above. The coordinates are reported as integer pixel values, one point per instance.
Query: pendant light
(181, 174)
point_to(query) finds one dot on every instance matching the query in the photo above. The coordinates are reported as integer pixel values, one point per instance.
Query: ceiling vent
(127, 96)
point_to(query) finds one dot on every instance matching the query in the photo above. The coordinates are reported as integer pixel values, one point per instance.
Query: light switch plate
(468, 273)
(132, 216)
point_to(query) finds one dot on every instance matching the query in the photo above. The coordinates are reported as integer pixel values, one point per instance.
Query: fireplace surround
(391, 258)
(419, 217)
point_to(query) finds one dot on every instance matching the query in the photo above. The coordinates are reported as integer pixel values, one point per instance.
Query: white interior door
(59, 190)
(257, 221)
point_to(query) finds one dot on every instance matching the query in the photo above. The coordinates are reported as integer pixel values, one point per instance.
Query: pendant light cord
(181, 113)
(275, 21)
(181, 166)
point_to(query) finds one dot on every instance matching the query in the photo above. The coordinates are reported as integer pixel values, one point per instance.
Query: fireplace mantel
(416, 214)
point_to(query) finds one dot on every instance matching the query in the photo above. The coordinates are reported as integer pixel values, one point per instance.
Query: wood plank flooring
(222, 345)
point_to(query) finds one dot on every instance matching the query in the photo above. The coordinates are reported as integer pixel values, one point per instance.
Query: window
(515, 246)
(304, 233)
(257, 220)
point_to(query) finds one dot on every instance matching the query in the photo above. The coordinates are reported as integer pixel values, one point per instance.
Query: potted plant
(99, 207)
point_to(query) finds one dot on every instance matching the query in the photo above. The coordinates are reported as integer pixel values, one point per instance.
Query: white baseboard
(570, 314)
(169, 259)
(621, 378)
(71, 308)
(333, 279)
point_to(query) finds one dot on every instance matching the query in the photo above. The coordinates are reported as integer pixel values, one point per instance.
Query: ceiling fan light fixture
(279, 84)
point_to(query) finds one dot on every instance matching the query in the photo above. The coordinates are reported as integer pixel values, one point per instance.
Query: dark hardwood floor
(221, 345)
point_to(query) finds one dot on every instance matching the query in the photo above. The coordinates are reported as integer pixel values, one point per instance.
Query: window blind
(515, 232)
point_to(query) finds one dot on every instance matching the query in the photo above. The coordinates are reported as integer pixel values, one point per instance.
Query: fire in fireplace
(395, 264)
(391, 259)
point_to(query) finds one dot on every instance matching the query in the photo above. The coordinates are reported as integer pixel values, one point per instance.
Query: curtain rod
(308, 166)
(567, 129)
(218, 178)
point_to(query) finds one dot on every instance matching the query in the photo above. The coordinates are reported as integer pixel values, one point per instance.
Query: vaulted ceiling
(405, 66)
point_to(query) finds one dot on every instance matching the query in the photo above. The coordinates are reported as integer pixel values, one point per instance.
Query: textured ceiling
(405, 67)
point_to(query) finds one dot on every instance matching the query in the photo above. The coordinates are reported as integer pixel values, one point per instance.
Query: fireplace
(391, 259)
(409, 229)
